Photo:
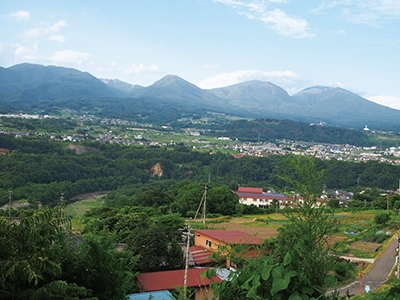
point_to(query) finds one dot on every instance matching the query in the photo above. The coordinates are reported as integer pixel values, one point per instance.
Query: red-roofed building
(208, 242)
(257, 197)
(214, 238)
(170, 280)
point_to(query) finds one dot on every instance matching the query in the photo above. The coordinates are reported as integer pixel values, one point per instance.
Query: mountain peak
(316, 89)
(171, 80)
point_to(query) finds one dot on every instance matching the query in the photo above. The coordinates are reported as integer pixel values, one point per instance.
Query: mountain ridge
(30, 86)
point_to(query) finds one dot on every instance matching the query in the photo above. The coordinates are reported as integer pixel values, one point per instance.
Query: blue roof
(158, 295)
(262, 196)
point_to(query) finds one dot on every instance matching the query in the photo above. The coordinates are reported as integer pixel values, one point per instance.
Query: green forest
(38, 170)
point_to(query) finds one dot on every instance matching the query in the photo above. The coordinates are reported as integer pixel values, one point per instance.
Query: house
(170, 280)
(257, 197)
(207, 242)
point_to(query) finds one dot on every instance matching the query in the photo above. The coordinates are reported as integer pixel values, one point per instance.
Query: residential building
(207, 242)
(257, 197)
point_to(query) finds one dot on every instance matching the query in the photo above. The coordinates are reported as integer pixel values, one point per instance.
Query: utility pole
(398, 256)
(187, 234)
(61, 202)
(387, 202)
(203, 201)
(9, 203)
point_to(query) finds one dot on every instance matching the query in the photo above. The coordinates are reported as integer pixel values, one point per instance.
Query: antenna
(203, 201)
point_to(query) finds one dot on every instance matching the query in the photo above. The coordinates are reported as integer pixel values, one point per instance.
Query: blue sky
(354, 44)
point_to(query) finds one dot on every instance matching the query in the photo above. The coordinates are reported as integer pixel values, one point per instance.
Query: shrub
(382, 219)
(344, 268)
(341, 247)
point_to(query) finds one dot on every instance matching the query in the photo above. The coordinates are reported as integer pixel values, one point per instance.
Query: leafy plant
(264, 278)
(382, 219)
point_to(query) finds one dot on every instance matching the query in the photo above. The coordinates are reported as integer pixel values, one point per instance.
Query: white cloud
(42, 29)
(68, 57)
(55, 27)
(285, 79)
(286, 25)
(139, 69)
(7, 54)
(111, 67)
(20, 50)
(390, 101)
(274, 19)
(57, 38)
(34, 32)
(20, 15)
(371, 12)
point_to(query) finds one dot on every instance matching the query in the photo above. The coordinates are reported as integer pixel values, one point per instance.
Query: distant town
(148, 134)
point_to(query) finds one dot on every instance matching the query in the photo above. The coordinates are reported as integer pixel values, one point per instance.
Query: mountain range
(30, 87)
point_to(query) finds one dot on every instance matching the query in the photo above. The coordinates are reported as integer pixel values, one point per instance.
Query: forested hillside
(38, 170)
(273, 129)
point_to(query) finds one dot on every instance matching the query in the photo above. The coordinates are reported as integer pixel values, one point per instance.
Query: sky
(353, 44)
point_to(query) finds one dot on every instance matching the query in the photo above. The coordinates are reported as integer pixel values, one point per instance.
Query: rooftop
(231, 236)
(169, 280)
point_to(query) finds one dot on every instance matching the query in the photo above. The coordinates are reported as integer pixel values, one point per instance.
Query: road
(378, 273)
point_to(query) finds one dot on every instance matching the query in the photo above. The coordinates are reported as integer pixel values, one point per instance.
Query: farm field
(357, 234)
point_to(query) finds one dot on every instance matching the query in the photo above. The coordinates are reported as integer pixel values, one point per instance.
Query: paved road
(378, 273)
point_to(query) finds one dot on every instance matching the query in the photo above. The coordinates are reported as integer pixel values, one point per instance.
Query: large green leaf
(280, 284)
(288, 259)
(266, 272)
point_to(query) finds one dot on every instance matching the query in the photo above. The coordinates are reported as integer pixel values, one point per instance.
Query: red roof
(253, 190)
(231, 236)
(169, 280)
(201, 255)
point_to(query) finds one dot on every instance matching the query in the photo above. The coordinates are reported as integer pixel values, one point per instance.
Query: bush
(344, 269)
(382, 219)
(341, 247)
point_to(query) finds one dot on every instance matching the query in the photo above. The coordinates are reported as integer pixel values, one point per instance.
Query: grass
(78, 209)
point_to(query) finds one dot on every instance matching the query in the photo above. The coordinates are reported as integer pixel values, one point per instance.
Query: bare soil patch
(366, 247)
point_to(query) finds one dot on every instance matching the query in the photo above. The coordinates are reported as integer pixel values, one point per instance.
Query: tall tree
(310, 222)
(30, 258)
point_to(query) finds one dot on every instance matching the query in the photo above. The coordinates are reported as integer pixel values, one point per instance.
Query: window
(208, 243)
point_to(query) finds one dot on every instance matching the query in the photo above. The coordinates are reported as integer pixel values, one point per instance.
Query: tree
(153, 197)
(333, 203)
(98, 266)
(310, 222)
(151, 245)
(220, 199)
(31, 259)
(41, 259)
(382, 219)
